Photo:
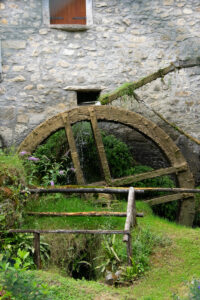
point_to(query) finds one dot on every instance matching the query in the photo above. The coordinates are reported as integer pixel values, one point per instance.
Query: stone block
(168, 2)
(36, 119)
(14, 44)
(68, 52)
(7, 113)
(29, 87)
(22, 119)
(19, 78)
(18, 68)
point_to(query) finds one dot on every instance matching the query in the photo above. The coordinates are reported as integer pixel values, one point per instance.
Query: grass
(61, 203)
(170, 270)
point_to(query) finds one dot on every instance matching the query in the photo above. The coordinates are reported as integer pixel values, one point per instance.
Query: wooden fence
(130, 214)
(129, 223)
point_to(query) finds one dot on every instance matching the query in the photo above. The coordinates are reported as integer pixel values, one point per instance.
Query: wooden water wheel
(178, 165)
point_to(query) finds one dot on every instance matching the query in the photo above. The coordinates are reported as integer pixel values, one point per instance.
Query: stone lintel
(84, 88)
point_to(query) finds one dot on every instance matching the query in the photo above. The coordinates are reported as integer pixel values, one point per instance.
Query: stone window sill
(69, 27)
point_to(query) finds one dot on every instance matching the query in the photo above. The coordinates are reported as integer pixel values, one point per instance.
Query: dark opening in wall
(87, 97)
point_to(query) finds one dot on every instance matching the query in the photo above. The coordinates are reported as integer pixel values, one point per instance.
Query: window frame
(68, 27)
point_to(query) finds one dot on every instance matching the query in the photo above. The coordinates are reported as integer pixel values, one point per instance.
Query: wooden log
(36, 245)
(67, 231)
(78, 214)
(106, 190)
(130, 212)
(81, 214)
(77, 190)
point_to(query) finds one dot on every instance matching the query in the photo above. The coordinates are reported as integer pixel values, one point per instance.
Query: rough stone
(18, 68)
(19, 78)
(22, 119)
(187, 11)
(168, 2)
(2, 6)
(63, 64)
(29, 87)
(68, 52)
(14, 44)
(7, 113)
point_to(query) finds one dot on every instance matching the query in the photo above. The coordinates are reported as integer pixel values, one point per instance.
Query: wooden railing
(130, 214)
(129, 223)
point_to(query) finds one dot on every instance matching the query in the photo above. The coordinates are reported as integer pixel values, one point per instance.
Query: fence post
(130, 222)
(36, 245)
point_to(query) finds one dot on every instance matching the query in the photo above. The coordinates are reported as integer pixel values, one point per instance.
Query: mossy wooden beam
(129, 88)
(173, 125)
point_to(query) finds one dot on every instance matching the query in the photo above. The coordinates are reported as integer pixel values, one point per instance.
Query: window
(68, 14)
(87, 97)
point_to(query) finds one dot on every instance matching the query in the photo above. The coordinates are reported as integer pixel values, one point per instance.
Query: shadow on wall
(2, 143)
(192, 157)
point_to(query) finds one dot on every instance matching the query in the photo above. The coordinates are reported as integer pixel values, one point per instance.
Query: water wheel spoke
(168, 198)
(73, 150)
(138, 177)
(100, 146)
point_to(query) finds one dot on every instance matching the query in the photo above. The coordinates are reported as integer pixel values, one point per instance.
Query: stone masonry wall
(129, 39)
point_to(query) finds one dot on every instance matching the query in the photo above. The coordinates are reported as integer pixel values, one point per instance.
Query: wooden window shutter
(67, 12)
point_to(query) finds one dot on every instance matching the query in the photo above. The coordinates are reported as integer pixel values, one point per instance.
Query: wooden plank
(81, 214)
(65, 231)
(100, 146)
(138, 177)
(36, 245)
(72, 146)
(167, 198)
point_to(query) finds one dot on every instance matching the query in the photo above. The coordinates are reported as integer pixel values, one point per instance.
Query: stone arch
(178, 164)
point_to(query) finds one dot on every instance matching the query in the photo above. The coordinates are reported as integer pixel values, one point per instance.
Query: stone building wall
(128, 39)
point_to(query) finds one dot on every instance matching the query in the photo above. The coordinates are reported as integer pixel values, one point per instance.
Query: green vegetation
(172, 270)
(164, 254)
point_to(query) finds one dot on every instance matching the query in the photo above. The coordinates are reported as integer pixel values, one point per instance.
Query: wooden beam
(138, 177)
(128, 88)
(74, 152)
(81, 214)
(65, 231)
(167, 198)
(106, 190)
(100, 146)
(78, 190)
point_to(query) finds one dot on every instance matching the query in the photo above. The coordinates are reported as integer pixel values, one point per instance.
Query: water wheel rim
(138, 122)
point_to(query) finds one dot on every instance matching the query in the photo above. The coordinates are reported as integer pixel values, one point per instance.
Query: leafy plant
(112, 258)
(13, 243)
(194, 291)
(129, 273)
(17, 283)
